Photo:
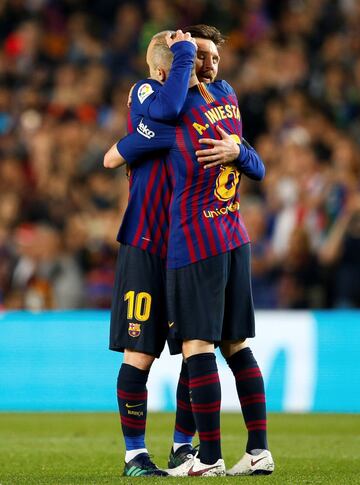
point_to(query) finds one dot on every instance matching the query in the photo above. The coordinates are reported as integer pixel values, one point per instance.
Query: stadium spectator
(262, 257)
(44, 273)
(341, 252)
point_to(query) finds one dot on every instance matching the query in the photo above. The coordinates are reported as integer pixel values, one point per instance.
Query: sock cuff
(128, 371)
(200, 364)
(184, 372)
(243, 358)
(200, 357)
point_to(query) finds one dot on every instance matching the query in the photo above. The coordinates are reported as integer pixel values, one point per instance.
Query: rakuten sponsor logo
(144, 130)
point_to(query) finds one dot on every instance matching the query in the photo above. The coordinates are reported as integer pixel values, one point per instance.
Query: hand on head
(179, 36)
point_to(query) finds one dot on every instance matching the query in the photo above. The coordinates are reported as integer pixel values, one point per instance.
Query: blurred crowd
(66, 67)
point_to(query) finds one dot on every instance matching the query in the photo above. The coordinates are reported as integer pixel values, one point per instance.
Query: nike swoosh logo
(171, 324)
(253, 462)
(129, 406)
(198, 473)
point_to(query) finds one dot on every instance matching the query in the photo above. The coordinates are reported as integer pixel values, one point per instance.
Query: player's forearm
(170, 99)
(113, 158)
(249, 162)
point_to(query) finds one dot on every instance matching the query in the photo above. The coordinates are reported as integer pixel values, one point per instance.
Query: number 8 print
(226, 183)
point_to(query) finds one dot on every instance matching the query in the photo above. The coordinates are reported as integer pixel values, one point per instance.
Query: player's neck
(193, 81)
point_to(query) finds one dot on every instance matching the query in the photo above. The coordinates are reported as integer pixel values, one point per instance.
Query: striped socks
(251, 392)
(184, 422)
(132, 401)
(205, 396)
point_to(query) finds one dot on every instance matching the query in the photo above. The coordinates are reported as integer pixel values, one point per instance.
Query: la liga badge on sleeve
(144, 92)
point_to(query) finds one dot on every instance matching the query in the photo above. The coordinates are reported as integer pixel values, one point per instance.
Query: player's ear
(161, 74)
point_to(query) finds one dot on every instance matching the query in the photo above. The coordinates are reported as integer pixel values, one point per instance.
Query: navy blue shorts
(138, 312)
(212, 299)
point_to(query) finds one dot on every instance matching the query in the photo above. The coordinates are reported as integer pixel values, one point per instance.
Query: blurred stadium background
(65, 71)
(66, 67)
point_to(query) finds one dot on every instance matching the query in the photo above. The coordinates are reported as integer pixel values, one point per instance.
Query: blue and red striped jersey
(145, 223)
(205, 217)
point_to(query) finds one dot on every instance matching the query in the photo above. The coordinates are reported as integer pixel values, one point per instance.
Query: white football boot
(262, 464)
(193, 468)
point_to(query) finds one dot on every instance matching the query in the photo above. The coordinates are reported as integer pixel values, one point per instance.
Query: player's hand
(222, 152)
(179, 36)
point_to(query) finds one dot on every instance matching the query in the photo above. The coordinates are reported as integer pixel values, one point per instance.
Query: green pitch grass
(46, 449)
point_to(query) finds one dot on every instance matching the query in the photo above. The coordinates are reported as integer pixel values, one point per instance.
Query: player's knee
(138, 359)
(230, 347)
(193, 347)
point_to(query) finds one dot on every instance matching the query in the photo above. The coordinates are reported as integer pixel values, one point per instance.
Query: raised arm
(164, 102)
(149, 101)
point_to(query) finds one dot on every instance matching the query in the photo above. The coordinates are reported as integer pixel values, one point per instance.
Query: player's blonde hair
(160, 55)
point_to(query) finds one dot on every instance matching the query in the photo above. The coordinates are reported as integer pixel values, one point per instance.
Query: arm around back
(249, 161)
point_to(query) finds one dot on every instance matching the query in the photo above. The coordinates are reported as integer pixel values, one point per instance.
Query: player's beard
(207, 76)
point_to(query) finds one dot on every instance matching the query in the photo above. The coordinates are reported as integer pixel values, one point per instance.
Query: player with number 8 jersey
(205, 217)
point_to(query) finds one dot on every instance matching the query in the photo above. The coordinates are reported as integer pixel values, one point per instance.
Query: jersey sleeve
(249, 161)
(148, 137)
(164, 102)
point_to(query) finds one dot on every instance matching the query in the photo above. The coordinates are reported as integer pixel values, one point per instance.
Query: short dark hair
(203, 31)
